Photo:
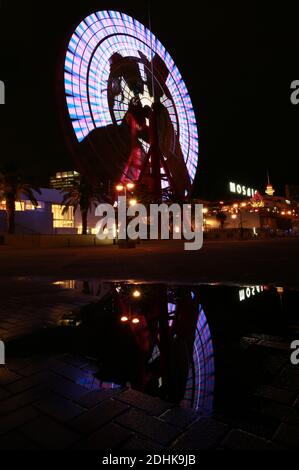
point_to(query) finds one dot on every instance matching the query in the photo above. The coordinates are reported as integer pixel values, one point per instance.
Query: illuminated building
(64, 180)
(260, 211)
(48, 217)
(269, 188)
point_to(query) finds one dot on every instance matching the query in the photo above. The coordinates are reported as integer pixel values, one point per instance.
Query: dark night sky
(237, 62)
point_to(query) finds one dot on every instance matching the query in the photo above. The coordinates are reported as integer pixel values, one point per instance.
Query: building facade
(48, 217)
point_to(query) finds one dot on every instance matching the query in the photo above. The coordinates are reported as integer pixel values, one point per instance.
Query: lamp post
(122, 188)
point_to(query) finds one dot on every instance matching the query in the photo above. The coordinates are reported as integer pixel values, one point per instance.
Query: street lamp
(136, 294)
(122, 188)
(119, 188)
(132, 202)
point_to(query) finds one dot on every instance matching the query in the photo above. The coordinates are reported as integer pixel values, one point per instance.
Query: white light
(132, 202)
(136, 294)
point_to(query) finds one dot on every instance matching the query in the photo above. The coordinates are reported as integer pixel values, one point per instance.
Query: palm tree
(83, 195)
(12, 187)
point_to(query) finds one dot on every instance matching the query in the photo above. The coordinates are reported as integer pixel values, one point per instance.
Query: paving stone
(273, 363)
(74, 374)
(28, 382)
(95, 397)
(280, 411)
(296, 403)
(16, 441)
(49, 434)
(204, 434)
(179, 417)
(34, 366)
(59, 408)
(76, 361)
(148, 426)
(252, 422)
(66, 370)
(17, 418)
(110, 436)
(288, 379)
(151, 405)
(4, 394)
(237, 439)
(98, 416)
(7, 376)
(288, 435)
(65, 387)
(13, 403)
(276, 394)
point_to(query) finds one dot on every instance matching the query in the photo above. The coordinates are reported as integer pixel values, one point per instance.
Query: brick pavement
(57, 403)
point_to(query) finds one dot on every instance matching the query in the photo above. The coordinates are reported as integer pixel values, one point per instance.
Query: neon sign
(241, 190)
(248, 292)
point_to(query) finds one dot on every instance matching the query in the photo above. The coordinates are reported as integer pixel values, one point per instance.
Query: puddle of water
(207, 347)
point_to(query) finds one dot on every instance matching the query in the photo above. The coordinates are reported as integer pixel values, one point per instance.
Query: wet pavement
(123, 365)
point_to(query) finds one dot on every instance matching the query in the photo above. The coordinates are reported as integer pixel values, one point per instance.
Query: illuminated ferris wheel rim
(87, 68)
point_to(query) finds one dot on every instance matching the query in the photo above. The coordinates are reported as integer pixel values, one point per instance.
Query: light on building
(135, 321)
(136, 293)
(132, 202)
(269, 190)
(119, 187)
(124, 319)
(205, 210)
(234, 216)
(130, 186)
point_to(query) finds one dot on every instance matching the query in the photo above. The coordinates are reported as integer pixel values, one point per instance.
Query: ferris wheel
(128, 102)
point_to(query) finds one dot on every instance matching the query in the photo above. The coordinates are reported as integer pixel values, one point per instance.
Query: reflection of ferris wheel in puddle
(119, 76)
